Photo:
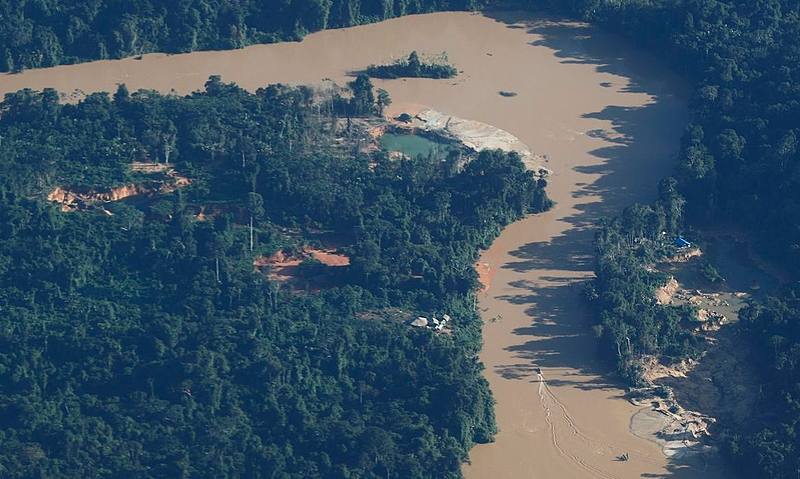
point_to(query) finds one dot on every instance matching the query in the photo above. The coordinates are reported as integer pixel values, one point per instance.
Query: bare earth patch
(75, 199)
(684, 400)
(665, 293)
(286, 267)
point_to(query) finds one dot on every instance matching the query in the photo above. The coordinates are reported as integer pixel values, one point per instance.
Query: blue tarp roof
(681, 242)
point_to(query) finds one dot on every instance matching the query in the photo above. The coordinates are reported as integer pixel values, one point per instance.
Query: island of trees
(413, 67)
(143, 330)
(35, 33)
(138, 340)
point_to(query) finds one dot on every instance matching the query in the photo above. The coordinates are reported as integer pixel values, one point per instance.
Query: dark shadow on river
(559, 337)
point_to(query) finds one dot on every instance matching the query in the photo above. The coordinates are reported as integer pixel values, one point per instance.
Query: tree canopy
(138, 340)
(36, 33)
(413, 67)
(739, 164)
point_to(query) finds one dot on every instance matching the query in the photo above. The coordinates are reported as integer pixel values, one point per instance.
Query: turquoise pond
(414, 145)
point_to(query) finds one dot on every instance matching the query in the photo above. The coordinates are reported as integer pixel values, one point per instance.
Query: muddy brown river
(609, 119)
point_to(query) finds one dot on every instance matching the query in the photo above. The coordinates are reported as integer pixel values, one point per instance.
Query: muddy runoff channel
(607, 117)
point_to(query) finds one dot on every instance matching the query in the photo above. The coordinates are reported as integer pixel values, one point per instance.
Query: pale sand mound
(476, 136)
(676, 438)
(665, 293)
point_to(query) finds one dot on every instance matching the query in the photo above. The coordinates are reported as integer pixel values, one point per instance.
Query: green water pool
(414, 145)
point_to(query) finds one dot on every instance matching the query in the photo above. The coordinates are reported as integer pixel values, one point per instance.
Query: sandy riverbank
(608, 119)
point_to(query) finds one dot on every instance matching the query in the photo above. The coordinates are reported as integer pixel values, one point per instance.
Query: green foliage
(710, 273)
(382, 101)
(413, 67)
(767, 446)
(363, 101)
(739, 163)
(36, 33)
(630, 322)
(143, 344)
(739, 160)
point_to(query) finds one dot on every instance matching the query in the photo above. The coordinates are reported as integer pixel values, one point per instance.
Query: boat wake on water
(551, 403)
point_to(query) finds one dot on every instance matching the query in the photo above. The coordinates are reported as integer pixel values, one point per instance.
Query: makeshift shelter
(681, 242)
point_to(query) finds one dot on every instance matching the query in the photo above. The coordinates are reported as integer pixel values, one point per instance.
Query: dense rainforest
(742, 56)
(739, 159)
(42, 33)
(769, 446)
(739, 164)
(630, 323)
(138, 340)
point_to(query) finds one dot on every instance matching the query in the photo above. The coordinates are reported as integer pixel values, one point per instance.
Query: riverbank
(689, 402)
(609, 119)
(467, 137)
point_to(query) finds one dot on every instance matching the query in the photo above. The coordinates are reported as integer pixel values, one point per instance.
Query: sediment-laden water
(609, 119)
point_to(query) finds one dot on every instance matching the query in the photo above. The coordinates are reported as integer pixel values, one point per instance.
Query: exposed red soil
(71, 200)
(328, 257)
(284, 267)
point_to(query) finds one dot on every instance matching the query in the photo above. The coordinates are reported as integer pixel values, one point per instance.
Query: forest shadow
(576, 43)
(558, 339)
(628, 171)
(630, 168)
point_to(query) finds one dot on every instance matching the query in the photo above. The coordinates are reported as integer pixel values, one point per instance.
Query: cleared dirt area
(289, 267)
(717, 385)
(606, 117)
(72, 199)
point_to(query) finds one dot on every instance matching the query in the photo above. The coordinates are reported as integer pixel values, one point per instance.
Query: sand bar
(607, 117)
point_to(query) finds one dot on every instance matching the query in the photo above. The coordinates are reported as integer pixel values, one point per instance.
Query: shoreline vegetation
(36, 35)
(738, 162)
(437, 67)
(467, 136)
(737, 130)
(158, 319)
